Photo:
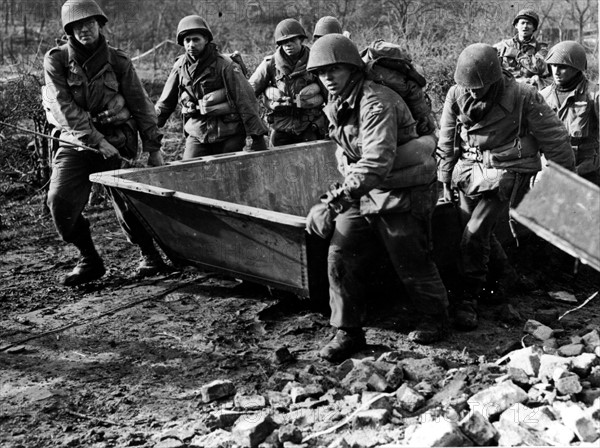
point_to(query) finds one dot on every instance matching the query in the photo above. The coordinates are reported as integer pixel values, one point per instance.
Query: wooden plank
(564, 209)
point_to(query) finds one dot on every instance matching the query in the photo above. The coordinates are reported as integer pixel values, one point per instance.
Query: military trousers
(69, 192)
(354, 250)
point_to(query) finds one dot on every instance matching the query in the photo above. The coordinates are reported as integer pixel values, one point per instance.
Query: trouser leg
(68, 194)
(350, 256)
(478, 238)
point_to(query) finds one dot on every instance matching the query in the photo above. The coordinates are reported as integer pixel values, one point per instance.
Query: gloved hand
(258, 143)
(107, 149)
(337, 198)
(320, 221)
(448, 192)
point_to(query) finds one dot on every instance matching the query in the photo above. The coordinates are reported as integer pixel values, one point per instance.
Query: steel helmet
(75, 10)
(327, 25)
(288, 29)
(528, 14)
(333, 49)
(477, 66)
(569, 53)
(190, 24)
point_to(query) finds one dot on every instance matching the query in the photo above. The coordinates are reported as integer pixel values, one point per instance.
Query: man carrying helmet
(94, 96)
(491, 132)
(522, 55)
(218, 105)
(575, 100)
(293, 95)
(385, 202)
(327, 25)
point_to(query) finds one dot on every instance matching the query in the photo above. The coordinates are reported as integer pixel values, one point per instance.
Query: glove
(337, 198)
(258, 143)
(155, 158)
(320, 221)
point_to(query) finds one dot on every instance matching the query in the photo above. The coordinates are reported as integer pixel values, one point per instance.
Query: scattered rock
(513, 434)
(409, 399)
(496, 399)
(422, 369)
(582, 364)
(538, 330)
(301, 393)
(283, 356)
(252, 430)
(549, 363)
(568, 384)
(372, 417)
(289, 433)
(441, 433)
(570, 350)
(592, 339)
(563, 296)
(249, 402)
(479, 429)
(577, 421)
(170, 443)
(216, 390)
(526, 359)
(216, 439)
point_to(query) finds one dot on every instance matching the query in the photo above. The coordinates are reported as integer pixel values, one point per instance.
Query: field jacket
(290, 81)
(222, 73)
(72, 100)
(579, 113)
(373, 128)
(524, 59)
(493, 141)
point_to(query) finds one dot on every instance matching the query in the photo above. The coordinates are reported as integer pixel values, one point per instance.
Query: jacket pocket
(579, 122)
(77, 89)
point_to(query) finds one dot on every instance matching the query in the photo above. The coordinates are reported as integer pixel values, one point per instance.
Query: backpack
(390, 65)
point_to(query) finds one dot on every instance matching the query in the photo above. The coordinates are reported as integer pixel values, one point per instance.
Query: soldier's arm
(549, 131)
(446, 154)
(74, 120)
(167, 102)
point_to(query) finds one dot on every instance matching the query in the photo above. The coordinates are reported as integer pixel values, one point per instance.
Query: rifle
(50, 137)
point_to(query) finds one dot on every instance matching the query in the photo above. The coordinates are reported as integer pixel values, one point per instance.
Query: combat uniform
(395, 201)
(290, 124)
(192, 80)
(79, 86)
(578, 110)
(489, 159)
(524, 59)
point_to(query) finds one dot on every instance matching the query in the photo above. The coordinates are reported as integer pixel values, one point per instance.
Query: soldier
(490, 133)
(387, 199)
(523, 55)
(294, 97)
(326, 25)
(575, 99)
(218, 105)
(87, 83)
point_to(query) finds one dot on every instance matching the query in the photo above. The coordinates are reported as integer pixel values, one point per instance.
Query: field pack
(390, 65)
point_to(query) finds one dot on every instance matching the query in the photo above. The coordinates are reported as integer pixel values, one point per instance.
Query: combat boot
(345, 343)
(89, 267)
(431, 329)
(465, 317)
(151, 263)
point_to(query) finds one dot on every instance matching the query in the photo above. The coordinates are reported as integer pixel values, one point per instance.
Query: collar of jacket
(284, 65)
(533, 43)
(507, 102)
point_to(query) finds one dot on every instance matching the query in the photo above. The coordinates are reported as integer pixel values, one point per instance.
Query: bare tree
(581, 12)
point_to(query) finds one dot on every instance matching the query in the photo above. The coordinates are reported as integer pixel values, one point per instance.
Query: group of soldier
(494, 127)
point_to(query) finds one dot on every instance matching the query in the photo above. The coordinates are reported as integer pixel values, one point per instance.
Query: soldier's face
(335, 77)
(479, 93)
(562, 74)
(194, 44)
(292, 46)
(86, 31)
(524, 29)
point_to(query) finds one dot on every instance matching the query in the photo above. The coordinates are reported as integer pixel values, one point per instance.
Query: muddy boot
(151, 263)
(89, 267)
(465, 317)
(345, 343)
(431, 329)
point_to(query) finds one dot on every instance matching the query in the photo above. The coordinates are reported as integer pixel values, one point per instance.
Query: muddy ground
(129, 355)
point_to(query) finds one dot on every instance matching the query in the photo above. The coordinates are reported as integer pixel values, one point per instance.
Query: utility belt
(520, 148)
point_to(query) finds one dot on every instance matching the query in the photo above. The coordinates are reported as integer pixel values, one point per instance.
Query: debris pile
(547, 393)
